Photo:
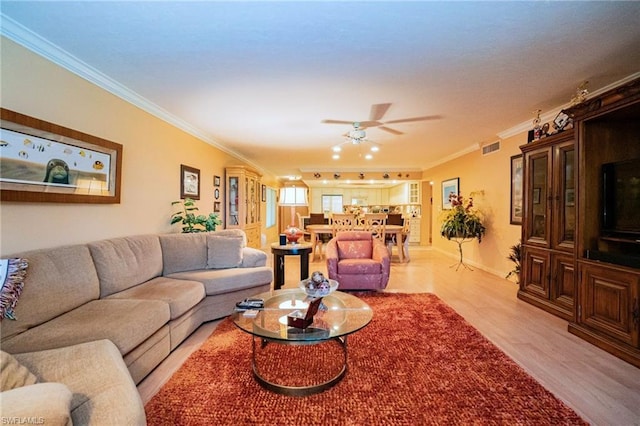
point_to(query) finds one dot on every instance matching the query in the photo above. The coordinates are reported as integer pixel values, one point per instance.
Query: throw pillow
(12, 273)
(224, 251)
(13, 374)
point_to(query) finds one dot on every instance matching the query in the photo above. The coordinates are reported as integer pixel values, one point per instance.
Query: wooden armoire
(581, 222)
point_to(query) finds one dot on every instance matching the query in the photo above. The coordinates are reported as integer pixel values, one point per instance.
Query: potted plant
(462, 223)
(514, 256)
(191, 220)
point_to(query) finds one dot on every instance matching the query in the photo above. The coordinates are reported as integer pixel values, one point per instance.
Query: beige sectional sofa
(143, 295)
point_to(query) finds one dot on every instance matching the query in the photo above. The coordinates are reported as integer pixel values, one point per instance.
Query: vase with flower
(462, 223)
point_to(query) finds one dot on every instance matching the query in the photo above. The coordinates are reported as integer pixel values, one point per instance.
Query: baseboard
(477, 265)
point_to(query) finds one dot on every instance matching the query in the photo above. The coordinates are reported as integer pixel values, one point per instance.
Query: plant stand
(460, 263)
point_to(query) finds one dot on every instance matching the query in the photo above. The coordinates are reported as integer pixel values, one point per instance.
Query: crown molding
(30, 40)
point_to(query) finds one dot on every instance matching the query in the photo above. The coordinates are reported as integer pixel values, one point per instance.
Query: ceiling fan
(355, 137)
(375, 120)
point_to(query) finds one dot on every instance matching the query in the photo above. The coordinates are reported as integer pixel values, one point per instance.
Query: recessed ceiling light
(335, 156)
(337, 149)
(368, 156)
(375, 149)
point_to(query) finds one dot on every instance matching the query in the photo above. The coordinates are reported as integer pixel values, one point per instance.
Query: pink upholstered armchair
(358, 261)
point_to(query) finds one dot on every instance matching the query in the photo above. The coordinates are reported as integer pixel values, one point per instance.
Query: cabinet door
(538, 187)
(562, 284)
(535, 269)
(608, 302)
(233, 197)
(564, 205)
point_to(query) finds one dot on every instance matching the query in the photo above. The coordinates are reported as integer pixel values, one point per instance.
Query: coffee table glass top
(344, 314)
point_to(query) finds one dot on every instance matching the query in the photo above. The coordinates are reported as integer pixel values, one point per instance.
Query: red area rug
(417, 363)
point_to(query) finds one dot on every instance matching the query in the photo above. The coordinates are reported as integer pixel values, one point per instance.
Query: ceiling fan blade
(392, 131)
(378, 111)
(336, 122)
(409, 120)
(365, 124)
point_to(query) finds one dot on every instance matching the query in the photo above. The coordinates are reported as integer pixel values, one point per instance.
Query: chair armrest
(331, 254)
(252, 258)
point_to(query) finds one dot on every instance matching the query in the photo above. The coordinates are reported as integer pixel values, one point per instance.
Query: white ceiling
(258, 78)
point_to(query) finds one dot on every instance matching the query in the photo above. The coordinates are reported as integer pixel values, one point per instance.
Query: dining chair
(375, 223)
(305, 234)
(342, 222)
(393, 219)
(318, 219)
(406, 233)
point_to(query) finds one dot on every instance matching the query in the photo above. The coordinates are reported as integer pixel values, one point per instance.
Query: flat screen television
(621, 199)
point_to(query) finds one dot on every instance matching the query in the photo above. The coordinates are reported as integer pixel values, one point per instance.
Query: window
(272, 205)
(332, 203)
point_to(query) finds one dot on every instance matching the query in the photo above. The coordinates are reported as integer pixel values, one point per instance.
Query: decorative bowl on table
(318, 286)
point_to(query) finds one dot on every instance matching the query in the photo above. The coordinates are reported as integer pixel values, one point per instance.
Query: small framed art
(189, 182)
(451, 186)
(516, 190)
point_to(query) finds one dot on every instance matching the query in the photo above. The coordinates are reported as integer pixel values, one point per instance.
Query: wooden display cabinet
(243, 203)
(608, 256)
(549, 225)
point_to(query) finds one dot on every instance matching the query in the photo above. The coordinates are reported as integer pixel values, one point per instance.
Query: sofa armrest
(252, 258)
(45, 403)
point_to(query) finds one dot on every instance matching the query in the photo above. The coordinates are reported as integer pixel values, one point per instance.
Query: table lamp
(291, 196)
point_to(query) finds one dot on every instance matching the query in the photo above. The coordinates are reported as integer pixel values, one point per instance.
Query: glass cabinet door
(538, 197)
(566, 200)
(234, 201)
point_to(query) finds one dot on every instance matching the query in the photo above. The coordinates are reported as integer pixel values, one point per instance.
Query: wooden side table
(280, 251)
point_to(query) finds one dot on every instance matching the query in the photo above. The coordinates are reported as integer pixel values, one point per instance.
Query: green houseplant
(191, 220)
(515, 256)
(462, 223)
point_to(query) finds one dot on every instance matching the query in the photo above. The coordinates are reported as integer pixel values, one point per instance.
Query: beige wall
(153, 152)
(491, 174)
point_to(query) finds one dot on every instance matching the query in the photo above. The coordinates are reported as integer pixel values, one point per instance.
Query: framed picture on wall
(216, 207)
(189, 182)
(516, 190)
(216, 181)
(451, 186)
(44, 162)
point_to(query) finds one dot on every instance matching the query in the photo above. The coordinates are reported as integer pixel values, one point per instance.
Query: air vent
(488, 149)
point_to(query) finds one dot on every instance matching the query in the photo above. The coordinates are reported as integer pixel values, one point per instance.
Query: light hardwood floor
(600, 387)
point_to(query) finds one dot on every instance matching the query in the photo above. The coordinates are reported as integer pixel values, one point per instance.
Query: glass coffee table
(341, 315)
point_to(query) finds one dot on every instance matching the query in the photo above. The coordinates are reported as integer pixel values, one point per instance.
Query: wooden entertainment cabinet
(572, 266)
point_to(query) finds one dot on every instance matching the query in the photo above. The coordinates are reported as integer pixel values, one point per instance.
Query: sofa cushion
(180, 295)
(12, 272)
(122, 263)
(355, 249)
(45, 403)
(13, 374)
(224, 251)
(103, 391)
(126, 322)
(231, 233)
(183, 252)
(217, 281)
(359, 266)
(59, 279)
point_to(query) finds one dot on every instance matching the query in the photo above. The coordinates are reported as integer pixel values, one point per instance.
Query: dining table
(315, 230)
